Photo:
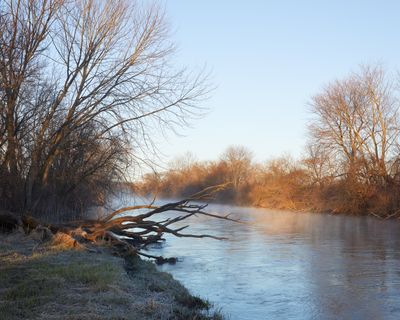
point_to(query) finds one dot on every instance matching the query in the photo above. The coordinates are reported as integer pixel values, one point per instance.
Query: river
(286, 265)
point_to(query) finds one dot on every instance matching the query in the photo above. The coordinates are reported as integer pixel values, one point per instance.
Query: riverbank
(51, 281)
(310, 209)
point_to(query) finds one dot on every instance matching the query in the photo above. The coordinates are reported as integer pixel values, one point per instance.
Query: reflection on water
(292, 265)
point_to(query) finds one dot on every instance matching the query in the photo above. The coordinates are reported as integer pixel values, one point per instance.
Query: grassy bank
(39, 281)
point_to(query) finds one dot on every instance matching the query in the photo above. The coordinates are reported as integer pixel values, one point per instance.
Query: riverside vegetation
(351, 163)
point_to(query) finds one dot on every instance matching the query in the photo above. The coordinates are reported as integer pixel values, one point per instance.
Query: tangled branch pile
(128, 233)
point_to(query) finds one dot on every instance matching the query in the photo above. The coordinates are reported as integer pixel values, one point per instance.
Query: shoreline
(49, 281)
(310, 210)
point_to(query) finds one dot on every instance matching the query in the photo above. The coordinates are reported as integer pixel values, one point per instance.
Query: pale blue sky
(267, 59)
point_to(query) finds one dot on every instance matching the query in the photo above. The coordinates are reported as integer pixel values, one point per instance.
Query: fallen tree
(124, 230)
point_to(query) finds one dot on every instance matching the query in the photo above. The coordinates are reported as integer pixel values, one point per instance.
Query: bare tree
(319, 165)
(356, 122)
(24, 26)
(85, 84)
(238, 160)
(382, 122)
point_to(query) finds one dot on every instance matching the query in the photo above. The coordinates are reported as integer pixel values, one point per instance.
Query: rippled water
(286, 265)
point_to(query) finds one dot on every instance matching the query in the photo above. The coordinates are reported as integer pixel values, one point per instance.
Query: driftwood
(131, 233)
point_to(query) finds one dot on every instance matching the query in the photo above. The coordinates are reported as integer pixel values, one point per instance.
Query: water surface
(288, 265)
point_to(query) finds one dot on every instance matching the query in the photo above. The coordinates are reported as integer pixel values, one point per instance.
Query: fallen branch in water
(394, 215)
(131, 232)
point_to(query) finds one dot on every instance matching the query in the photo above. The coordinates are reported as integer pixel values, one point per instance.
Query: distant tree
(238, 161)
(319, 165)
(356, 123)
(183, 162)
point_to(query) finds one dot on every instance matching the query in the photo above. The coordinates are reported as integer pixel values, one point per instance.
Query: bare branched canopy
(238, 160)
(84, 85)
(357, 124)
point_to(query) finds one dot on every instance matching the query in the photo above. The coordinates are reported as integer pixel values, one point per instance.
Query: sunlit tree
(84, 86)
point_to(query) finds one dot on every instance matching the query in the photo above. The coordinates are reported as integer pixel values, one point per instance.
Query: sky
(267, 59)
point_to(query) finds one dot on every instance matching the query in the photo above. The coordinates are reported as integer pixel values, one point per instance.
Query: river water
(285, 265)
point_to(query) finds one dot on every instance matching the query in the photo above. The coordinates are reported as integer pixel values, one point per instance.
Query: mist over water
(286, 265)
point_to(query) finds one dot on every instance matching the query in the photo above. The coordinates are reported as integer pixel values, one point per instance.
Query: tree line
(350, 163)
(84, 86)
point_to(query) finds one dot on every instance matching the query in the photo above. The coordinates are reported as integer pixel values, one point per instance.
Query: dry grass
(47, 282)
